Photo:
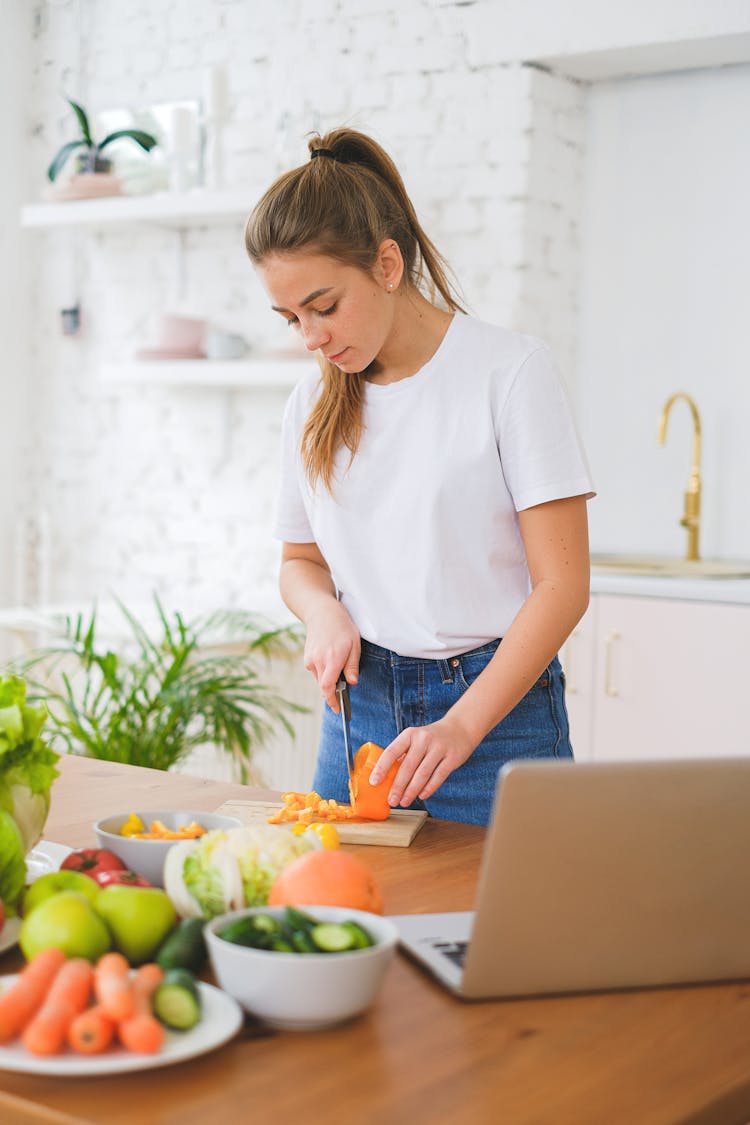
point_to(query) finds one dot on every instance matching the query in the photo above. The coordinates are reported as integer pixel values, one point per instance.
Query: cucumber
(184, 947)
(177, 1000)
(333, 937)
(298, 920)
(259, 931)
(295, 932)
(360, 937)
(303, 941)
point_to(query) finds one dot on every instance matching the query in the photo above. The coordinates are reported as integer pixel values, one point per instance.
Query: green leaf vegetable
(27, 771)
(94, 148)
(156, 698)
(227, 870)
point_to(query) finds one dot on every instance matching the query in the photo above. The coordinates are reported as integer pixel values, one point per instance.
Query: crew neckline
(380, 390)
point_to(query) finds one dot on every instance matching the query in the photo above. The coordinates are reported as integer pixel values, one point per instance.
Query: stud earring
(390, 285)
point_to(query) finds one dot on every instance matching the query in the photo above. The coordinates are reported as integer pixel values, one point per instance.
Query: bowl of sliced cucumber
(301, 969)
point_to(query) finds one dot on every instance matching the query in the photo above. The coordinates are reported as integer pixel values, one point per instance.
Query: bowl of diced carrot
(141, 839)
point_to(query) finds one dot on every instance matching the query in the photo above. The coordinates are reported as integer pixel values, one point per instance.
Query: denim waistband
(377, 652)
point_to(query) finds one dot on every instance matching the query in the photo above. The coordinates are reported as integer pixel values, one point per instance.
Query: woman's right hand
(333, 642)
(332, 647)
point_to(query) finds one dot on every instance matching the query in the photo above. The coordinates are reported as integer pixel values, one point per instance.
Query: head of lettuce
(27, 771)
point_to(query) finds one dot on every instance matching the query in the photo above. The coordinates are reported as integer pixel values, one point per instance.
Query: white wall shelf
(162, 208)
(269, 371)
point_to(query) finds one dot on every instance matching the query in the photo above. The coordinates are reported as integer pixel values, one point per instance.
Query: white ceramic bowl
(303, 991)
(147, 856)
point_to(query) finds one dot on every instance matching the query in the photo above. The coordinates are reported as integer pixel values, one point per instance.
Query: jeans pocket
(470, 665)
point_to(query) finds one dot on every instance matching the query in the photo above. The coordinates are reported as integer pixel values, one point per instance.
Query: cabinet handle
(609, 645)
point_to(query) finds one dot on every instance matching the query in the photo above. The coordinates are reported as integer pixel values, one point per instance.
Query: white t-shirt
(421, 533)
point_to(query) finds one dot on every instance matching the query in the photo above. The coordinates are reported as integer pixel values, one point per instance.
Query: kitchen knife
(342, 690)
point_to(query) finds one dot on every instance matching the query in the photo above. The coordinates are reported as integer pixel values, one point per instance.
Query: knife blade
(345, 705)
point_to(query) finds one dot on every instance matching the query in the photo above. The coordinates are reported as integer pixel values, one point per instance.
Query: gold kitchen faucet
(691, 518)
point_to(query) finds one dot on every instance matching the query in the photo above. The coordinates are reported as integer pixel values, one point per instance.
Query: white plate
(42, 859)
(45, 857)
(221, 1019)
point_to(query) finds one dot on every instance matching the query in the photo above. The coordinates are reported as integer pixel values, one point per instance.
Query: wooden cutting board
(397, 831)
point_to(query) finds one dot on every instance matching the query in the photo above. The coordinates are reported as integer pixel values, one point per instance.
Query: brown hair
(343, 203)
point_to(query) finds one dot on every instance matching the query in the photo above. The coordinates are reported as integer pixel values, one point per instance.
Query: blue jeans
(395, 692)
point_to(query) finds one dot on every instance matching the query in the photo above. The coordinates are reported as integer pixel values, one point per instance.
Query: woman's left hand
(427, 755)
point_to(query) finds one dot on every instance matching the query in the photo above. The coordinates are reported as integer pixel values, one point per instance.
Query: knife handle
(342, 690)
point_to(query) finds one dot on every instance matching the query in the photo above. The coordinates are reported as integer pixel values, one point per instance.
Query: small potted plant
(91, 159)
(155, 697)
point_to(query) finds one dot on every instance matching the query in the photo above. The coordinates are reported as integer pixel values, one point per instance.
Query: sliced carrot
(113, 987)
(91, 1032)
(142, 1032)
(25, 996)
(68, 995)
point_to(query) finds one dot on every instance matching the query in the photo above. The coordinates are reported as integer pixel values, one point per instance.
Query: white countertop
(734, 591)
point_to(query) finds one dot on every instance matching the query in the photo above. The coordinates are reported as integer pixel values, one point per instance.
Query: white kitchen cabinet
(658, 678)
(577, 657)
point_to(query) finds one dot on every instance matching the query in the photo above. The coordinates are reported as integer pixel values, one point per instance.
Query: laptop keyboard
(455, 951)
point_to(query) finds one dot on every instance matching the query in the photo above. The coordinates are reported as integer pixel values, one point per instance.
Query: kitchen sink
(670, 567)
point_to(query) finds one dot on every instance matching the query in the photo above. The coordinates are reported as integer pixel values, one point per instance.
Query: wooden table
(419, 1056)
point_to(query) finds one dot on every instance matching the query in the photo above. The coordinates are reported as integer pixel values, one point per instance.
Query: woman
(433, 494)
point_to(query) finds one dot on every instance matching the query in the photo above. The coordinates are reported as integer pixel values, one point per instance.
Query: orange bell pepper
(370, 801)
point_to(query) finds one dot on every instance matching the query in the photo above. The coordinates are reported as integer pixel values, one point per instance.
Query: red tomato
(90, 861)
(126, 878)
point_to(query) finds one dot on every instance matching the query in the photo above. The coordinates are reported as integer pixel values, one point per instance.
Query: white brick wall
(173, 488)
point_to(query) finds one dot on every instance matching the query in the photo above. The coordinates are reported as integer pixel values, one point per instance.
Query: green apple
(68, 920)
(53, 883)
(139, 918)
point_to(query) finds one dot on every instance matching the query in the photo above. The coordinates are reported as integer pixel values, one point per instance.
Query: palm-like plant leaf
(83, 121)
(145, 140)
(58, 161)
(151, 706)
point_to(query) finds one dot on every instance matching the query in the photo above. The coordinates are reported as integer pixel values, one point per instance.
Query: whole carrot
(68, 995)
(91, 1032)
(113, 987)
(25, 996)
(143, 1032)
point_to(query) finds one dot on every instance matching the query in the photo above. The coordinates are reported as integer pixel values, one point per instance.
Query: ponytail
(342, 204)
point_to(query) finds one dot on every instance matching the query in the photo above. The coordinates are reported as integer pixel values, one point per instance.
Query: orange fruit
(327, 878)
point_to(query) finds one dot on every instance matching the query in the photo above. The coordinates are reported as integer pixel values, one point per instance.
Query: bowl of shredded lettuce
(27, 772)
(229, 870)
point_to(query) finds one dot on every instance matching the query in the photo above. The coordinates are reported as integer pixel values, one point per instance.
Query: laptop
(599, 876)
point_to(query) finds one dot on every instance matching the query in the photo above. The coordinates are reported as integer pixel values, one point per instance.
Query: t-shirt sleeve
(540, 450)
(291, 522)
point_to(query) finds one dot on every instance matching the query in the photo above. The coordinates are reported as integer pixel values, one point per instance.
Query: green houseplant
(158, 697)
(91, 159)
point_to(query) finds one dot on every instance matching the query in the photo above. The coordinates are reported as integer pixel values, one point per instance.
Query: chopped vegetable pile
(295, 932)
(303, 808)
(157, 830)
(368, 802)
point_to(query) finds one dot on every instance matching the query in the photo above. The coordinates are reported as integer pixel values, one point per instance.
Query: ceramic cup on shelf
(225, 345)
(180, 337)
